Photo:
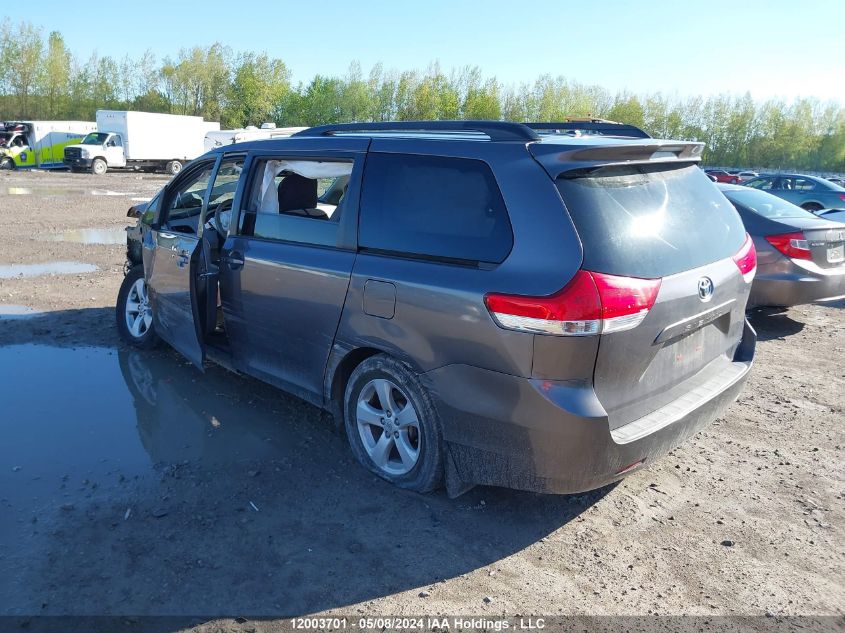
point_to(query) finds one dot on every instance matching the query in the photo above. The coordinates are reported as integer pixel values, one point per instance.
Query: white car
(746, 175)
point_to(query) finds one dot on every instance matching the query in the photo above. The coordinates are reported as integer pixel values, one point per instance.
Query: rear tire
(392, 425)
(135, 322)
(812, 207)
(99, 167)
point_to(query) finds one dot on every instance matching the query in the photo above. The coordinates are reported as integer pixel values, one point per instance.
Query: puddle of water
(106, 192)
(94, 413)
(43, 191)
(9, 311)
(63, 191)
(87, 236)
(12, 271)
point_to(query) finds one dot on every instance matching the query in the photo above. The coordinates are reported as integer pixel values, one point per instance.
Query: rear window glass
(766, 204)
(650, 221)
(433, 206)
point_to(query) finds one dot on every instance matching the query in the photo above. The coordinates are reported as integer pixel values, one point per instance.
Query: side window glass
(296, 200)
(184, 201)
(432, 206)
(802, 184)
(148, 217)
(223, 192)
(761, 183)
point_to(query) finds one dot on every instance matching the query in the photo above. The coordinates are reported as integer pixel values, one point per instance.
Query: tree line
(40, 78)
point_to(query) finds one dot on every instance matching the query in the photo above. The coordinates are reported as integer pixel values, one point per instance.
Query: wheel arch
(342, 362)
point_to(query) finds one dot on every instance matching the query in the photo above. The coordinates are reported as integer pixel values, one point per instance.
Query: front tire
(134, 313)
(392, 425)
(7, 163)
(99, 167)
(173, 167)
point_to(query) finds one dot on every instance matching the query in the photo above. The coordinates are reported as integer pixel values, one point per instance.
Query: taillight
(591, 303)
(793, 245)
(842, 196)
(746, 259)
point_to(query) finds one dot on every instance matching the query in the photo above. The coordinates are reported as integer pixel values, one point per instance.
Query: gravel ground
(132, 484)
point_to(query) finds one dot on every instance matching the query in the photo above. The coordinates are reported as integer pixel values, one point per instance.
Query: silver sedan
(800, 256)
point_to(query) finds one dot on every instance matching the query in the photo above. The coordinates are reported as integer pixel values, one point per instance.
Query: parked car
(722, 176)
(459, 320)
(800, 256)
(746, 175)
(808, 192)
(836, 180)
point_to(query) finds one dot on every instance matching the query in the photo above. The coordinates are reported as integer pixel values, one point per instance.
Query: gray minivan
(477, 302)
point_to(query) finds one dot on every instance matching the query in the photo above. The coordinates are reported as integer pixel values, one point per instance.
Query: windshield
(95, 138)
(766, 204)
(4, 137)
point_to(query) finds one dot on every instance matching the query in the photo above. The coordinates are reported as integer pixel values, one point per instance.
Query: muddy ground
(132, 484)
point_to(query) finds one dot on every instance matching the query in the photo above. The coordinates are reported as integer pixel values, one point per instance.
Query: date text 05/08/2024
(424, 623)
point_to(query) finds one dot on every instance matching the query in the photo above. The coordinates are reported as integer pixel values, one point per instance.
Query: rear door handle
(234, 260)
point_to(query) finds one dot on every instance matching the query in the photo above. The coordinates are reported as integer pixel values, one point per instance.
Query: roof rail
(590, 126)
(494, 130)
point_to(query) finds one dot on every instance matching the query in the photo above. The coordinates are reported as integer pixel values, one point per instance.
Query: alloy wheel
(388, 426)
(138, 312)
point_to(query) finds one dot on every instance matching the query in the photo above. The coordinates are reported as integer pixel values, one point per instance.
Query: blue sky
(779, 48)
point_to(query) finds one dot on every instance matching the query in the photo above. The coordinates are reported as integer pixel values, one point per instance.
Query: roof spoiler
(558, 159)
(588, 126)
(493, 130)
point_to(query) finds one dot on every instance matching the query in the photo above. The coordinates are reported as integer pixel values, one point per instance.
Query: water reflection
(10, 311)
(92, 410)
(114, 235)
(11, 271)
(64, 191)
(131, 482)
(183, 415)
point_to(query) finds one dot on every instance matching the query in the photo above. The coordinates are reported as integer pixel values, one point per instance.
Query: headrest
(297, 192)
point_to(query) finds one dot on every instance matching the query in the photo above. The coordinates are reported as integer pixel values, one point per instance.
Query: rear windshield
(766, 204)
(650, 220)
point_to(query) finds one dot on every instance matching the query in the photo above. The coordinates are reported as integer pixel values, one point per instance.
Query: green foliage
(258, 84)
(56, 76)
(40, 78)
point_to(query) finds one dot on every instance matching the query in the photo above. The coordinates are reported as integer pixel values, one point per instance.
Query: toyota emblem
(705, 288)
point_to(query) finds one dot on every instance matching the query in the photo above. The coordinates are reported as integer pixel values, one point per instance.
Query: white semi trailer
(218, 138)
(140, 140)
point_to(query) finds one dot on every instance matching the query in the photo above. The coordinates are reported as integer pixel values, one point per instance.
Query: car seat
(298, 196)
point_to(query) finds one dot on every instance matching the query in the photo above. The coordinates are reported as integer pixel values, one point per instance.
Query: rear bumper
(78, 163)
(554, 437)
(788, 283)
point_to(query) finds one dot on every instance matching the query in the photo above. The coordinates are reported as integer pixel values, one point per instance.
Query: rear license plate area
(836, 254)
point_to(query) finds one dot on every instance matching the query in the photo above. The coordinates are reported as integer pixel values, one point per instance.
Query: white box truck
(219, 138)
(140, 140)
(26, 144)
